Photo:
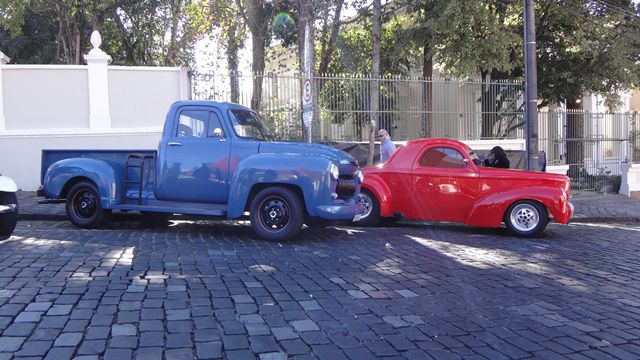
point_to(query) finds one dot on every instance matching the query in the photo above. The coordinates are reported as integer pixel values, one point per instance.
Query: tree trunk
(325, 56)
(257, 68)
(427, 91)
(575, 138)
(259, 19)
(375, 74)
(488, 103)
(232, 61)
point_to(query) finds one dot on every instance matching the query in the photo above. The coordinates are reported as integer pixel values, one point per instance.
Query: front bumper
(349, 210)
(9, 208)
(571, 211)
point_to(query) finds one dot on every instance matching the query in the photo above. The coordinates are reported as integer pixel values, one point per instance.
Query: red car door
(445, 184)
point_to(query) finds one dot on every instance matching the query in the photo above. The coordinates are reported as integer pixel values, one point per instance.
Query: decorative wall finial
(96, 39)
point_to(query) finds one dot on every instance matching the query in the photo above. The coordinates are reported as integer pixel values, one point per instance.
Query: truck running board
(177, 208)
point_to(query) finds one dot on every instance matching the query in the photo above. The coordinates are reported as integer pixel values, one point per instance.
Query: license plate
(357, 217)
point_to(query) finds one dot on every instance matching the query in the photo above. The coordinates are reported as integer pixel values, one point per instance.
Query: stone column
(3, 122)
(97, 61)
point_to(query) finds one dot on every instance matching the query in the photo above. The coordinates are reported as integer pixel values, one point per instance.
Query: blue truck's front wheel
(276, 213)
(83, 206)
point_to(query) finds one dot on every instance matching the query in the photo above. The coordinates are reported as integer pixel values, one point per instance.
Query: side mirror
(218, 133)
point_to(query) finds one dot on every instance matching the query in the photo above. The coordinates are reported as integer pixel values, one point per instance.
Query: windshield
(248, 124)
(474, 157)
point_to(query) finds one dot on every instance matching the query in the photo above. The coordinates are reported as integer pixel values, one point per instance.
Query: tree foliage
(147, 32)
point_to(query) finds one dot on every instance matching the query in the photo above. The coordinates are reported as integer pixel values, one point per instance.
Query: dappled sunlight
(388, 267)
(349, 231)
(468, 255)
(609, 226)
(37, 242)
(499, 258)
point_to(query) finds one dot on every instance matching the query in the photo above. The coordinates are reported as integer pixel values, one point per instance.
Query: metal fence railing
(410, 107)
(593, 144)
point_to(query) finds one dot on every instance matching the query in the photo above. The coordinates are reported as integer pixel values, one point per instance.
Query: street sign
(307, 116)
(307, 98)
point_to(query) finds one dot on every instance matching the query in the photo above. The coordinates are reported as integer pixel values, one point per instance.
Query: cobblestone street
(209, 289)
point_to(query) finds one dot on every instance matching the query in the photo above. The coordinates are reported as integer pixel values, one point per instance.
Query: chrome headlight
(360, 175)
(335, 171)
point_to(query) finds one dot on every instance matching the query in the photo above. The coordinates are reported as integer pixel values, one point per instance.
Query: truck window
(247, 124)
(214, 122)
(192, 123)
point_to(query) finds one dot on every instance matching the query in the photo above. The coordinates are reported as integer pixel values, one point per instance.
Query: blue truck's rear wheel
(276, 214)
(8, 221)
(83, 206)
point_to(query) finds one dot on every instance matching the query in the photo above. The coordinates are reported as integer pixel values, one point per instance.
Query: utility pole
(531, 84)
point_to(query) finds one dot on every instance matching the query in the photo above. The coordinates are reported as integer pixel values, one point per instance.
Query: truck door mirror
(218, 133)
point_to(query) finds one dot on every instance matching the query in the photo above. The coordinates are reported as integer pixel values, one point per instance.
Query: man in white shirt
(387, 147)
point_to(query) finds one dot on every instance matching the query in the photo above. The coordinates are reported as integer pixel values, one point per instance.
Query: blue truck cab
(213, 159)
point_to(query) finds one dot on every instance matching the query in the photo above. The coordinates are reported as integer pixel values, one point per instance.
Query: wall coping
(75, 132)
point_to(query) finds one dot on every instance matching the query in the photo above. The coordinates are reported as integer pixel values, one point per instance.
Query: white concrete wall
(25, 151)
(140, 96)
(92, 106)
(45, 96)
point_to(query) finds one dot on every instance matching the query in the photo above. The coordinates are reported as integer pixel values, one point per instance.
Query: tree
(232, 34)
(148, 32)
(35, 43)
(375, 74)
(258, 14)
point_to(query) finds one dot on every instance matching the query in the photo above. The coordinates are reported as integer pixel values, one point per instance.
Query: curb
(605, 219)
(578, 220)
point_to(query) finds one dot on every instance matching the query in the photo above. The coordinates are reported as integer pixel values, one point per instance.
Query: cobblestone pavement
(587, 208)
(209, 289)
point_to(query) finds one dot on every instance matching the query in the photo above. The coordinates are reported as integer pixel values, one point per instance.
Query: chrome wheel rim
(368, 204)
(524, 217)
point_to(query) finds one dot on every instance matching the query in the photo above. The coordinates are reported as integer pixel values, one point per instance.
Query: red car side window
(442, 157)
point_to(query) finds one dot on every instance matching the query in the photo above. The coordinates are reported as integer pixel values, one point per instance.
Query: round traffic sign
(307, 91)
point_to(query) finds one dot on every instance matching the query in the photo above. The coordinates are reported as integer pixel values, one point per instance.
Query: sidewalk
(609, 208)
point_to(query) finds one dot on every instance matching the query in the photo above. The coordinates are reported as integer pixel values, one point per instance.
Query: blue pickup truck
(214, 159)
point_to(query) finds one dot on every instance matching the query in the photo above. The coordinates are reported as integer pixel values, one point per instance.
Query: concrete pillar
(97, 61)
(630, 185)
(558, 169)
(3, 122)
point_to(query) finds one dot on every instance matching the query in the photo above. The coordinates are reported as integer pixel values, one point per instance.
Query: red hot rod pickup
(442, 180)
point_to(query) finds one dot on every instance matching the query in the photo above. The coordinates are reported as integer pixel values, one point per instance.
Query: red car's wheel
(526, 218)
(371, 214)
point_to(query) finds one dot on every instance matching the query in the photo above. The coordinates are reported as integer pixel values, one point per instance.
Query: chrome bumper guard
(10, 208)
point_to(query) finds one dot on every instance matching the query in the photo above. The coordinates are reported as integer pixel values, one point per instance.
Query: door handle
(174, 143)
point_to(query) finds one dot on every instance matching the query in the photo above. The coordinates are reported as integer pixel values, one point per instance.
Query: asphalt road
(210, 289)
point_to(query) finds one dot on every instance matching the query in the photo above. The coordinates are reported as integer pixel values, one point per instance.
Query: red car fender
(489, 211)
(379, 188)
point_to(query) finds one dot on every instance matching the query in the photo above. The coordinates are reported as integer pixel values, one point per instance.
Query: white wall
(140, 96)
(37, 96)
(50, 107)
(25, 151)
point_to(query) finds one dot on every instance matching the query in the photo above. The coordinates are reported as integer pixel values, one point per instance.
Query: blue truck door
(195, 164)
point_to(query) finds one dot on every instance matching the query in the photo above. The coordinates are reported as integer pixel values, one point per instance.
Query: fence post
(97, 61)
(3, 122)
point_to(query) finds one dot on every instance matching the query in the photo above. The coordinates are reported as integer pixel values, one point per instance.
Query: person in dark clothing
(497, 158)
